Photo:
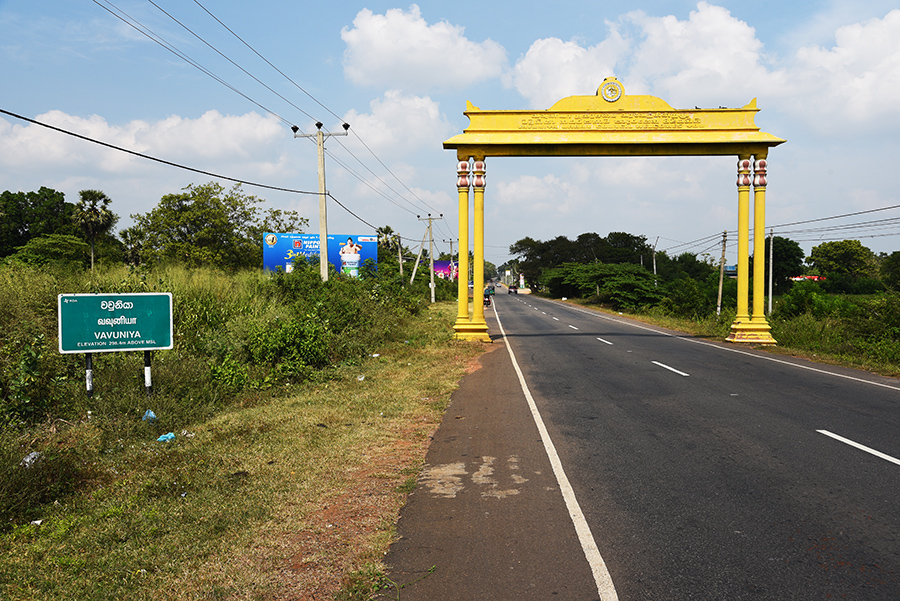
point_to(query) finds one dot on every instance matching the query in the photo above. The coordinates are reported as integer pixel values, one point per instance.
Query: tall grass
(240, 339)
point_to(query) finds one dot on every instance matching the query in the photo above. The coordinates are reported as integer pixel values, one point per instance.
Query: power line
(837, 216)
(217, 51)
(146, 31)
(185, 167)
(137, 26)
(152, 158)
(314, 99)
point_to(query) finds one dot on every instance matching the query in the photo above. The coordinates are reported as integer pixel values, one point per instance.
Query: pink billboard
(446, 270)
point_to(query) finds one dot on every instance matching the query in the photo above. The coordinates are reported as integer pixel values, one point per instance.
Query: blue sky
(826, 75)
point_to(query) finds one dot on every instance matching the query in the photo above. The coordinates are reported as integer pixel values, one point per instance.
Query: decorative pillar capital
(462, 170)
(743, 166)
(478, 170)
(759, 173)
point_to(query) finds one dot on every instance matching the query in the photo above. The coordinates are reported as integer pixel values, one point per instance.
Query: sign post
(103, 323)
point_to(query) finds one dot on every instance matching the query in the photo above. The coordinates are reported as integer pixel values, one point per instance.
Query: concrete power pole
(400, 253)
(428, 233)
(721, 273)
(323, 216)
(452, 268)
(655, 283)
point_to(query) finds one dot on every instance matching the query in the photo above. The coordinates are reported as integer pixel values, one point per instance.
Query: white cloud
(713, 59)
(211, 138)
(401, 50)
(709, 58)
(401, 123)
(546, 196)
(858, 79)
(553, 69)
(248, 147)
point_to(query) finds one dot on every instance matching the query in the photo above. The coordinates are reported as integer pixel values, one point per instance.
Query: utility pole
(400, 253)
(721, 274)
(452, 268)
(654, 261)
(428, 231)
(323, 217)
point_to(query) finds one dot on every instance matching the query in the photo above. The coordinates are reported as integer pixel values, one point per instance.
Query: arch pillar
(753, 328)
(474, 327)
(462, 269)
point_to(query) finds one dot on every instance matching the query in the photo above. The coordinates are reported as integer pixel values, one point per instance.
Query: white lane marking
(672, 369)
(573, 327)
(602, 579)
(860, 447)
(544, 312)
(604, 341)
(556, 318)
(738, 351)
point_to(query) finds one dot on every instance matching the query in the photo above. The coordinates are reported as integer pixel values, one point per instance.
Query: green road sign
(98, 323)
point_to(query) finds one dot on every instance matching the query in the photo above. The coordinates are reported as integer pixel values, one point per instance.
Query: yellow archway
(612, 123)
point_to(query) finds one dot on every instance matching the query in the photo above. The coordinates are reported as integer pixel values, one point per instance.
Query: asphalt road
(704, 471)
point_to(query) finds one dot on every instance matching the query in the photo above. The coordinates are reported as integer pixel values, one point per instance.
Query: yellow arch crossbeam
(611, 123)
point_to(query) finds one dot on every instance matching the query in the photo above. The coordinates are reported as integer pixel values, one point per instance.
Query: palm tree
(93, 217)
(385, 236)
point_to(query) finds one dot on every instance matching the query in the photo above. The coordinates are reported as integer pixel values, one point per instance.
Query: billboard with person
(346, 252)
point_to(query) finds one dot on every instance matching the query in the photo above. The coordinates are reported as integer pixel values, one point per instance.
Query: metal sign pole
(148, 381)
(89, 374)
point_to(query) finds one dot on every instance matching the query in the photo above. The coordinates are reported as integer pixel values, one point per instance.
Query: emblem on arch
(611, 90)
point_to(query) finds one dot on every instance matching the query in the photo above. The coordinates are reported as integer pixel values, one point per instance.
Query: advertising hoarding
(346, 252)
(446, 270)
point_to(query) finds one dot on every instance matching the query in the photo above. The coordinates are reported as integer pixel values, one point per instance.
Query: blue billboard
(346, 252)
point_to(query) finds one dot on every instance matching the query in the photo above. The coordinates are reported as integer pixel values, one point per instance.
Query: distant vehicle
(512, 289)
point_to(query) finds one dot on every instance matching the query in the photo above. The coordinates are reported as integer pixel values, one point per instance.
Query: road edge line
(602, 579)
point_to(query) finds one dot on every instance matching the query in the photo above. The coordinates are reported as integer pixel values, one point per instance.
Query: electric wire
(152, 158)
(314, 99)
(364, 181)
(368, 184)
(147, 32)
(191, 169)
(137, 26)
(220, 53)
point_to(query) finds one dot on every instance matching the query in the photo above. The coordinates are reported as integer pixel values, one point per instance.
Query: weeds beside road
(274, 487)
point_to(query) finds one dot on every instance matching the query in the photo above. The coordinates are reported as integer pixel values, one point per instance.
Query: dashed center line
(860, 447)
(604, 341)
(573, 327)
(672, 369)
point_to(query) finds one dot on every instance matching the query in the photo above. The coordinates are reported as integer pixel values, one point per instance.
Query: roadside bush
(808, 297)
(689, 298)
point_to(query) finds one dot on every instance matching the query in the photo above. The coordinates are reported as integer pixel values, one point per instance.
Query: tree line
(623, 271)
(202, 225)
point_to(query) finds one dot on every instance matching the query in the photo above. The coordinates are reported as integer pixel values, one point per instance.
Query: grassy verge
(281, 499)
